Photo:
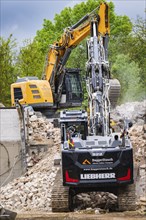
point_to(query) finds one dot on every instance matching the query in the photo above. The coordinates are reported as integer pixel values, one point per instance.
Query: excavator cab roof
(25, 79)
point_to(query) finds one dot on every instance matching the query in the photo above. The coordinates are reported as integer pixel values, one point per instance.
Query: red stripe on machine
(127, 177)
(68, 179)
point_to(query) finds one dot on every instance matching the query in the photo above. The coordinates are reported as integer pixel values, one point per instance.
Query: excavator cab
(72, 95)
(38, 94)
(74, 124)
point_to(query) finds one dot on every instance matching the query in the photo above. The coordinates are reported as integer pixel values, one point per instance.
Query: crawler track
(60, 195)
(127, 198)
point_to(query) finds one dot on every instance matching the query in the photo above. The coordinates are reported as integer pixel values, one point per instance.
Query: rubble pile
(94, 200)
(134, 111)
(141, 188)
(40, 130)
(138, 138)
(33, 190)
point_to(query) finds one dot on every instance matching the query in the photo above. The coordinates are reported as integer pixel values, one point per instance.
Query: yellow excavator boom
(73, 36)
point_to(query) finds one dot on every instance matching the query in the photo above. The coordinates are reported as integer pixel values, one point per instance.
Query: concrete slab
(9, 125)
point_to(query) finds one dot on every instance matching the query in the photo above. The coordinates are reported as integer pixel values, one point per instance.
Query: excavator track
(127, 198)
(60, 195)
(114, 91)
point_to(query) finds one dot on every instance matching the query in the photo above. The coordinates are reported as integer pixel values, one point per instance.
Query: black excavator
(93, 157)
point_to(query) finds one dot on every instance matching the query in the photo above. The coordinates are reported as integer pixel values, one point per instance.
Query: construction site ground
(82, 215)
(30, 194)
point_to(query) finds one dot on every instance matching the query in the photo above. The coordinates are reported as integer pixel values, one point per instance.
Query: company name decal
(97, 176)
(103, 160)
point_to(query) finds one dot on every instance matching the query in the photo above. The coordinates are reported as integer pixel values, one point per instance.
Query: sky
(23, 18)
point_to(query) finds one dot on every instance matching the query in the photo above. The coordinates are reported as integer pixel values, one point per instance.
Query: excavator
(61, 87)
(93, 157)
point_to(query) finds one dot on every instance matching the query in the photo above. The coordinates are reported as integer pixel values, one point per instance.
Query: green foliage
(132, 44)
(137, 47)
(127, 72)
(30, 60)
(121, 28)
(63, 20)
(46, 36)
(7, 68)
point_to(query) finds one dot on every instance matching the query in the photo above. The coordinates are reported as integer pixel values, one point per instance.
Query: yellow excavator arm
(60, 51)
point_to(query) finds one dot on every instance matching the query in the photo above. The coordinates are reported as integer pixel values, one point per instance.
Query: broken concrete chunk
(33, 118)
(57, 159)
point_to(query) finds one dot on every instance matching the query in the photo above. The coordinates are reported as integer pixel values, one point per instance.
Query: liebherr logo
(94, 176)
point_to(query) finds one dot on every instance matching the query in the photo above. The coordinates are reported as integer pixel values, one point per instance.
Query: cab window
(18, 93)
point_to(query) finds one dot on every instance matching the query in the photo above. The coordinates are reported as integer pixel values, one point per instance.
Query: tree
(127, 72)
(137, 47)
(132, 44)
(121, 28)
(30, 60)
(63, 20)
(7, 68)
(46, 36)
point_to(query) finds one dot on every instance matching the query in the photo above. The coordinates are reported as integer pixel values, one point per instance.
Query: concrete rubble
(134, 111)
(40, 130)
(33, 190)
(95, 200)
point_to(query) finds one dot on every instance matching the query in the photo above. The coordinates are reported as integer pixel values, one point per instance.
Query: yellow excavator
(60, 87)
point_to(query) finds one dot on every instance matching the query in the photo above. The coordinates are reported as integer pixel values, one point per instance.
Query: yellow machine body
(36, 93)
